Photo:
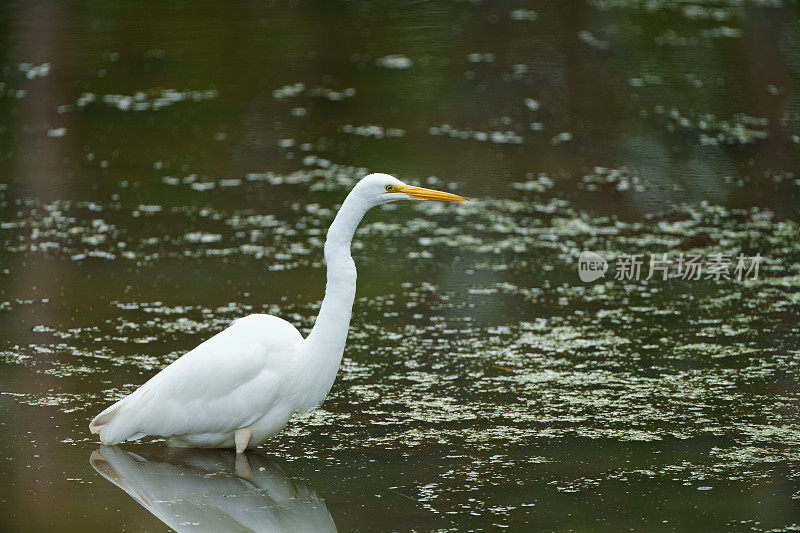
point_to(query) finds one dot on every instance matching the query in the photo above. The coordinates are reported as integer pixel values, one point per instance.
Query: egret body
(242, 385)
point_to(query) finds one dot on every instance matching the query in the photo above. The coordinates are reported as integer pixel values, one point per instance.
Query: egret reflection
(214, 490)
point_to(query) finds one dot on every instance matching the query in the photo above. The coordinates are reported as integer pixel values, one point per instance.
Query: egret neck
(322, 350)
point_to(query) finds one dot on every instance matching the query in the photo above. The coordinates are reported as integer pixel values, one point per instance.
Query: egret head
(383, 188)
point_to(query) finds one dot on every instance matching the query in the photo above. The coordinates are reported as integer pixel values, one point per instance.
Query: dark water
(167, 167)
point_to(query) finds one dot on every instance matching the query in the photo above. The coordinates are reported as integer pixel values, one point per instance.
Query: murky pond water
(168, 167)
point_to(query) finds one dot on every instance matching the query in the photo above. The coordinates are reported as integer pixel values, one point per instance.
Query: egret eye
(389, 188)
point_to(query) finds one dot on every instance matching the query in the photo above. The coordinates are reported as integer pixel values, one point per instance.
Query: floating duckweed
(532, 104)
(34, 71)
(372, 130)
(497, 137)
(523, 14)
(588, 38)
(740, 129)
(481, 58)
(541, 183)
(622, 179)
(396, 61)
(142, 101)
(560, 138)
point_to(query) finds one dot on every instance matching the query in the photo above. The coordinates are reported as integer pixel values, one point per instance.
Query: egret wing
(225, 383)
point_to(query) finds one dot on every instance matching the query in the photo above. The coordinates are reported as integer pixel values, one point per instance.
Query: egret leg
(242, 466)
(242, 438)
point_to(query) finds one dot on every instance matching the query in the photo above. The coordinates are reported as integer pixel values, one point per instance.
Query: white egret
(242, 385)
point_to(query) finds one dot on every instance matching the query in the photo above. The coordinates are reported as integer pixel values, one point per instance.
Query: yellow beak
(421, 193)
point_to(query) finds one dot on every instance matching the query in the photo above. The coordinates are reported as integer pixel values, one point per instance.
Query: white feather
(228, 382)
